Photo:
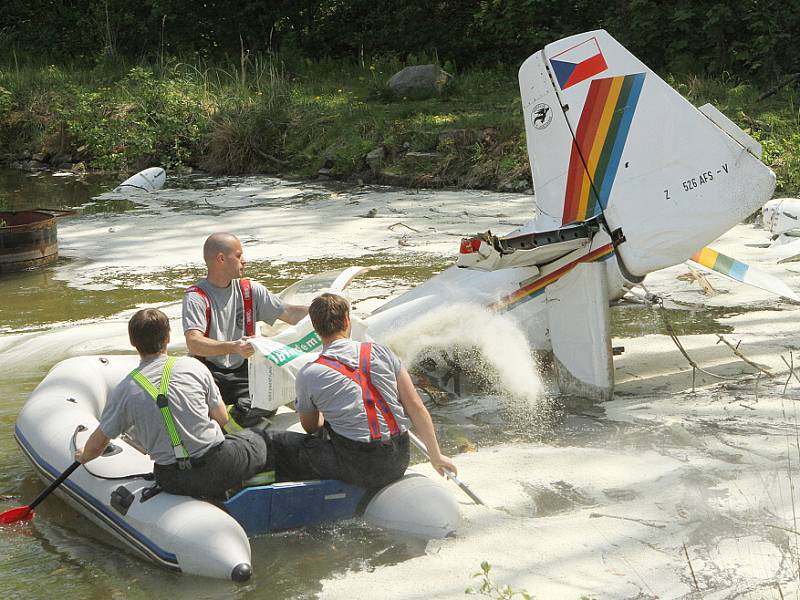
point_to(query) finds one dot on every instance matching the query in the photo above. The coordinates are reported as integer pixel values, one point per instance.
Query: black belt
(198, 461)
(367, 446)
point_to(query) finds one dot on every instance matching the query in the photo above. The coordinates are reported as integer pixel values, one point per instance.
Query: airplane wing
(282, 352)
(742, 272)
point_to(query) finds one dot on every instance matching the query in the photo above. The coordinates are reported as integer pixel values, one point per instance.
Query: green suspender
(160, 396)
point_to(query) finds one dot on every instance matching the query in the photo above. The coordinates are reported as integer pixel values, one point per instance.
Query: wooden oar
(25, 513)
(450, 475)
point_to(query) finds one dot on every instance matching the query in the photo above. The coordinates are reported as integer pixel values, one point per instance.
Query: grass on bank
(291, 116)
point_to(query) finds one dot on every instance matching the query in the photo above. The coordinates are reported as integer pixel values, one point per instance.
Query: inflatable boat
(117, 492)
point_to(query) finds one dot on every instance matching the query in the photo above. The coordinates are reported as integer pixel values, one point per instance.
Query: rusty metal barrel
(28, 239)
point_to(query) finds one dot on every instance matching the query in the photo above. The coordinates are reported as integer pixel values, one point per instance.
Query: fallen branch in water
(694, 275)
(595, 515)
(791, 371)
(695, 367)
(686, 552)
(735, 350)
(391, 227)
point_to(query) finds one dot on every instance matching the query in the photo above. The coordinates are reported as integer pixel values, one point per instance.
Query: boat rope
(659, 303)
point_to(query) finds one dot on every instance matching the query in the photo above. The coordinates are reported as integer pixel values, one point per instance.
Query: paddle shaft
(450, 475)
(54, 485)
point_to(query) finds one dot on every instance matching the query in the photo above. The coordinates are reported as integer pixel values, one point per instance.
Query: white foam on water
(465, 326)
(276, 221)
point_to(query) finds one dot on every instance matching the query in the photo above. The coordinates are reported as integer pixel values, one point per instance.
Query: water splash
(475, 338)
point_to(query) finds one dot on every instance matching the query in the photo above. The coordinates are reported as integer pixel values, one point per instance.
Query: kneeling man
(176, 412)
(364, 398)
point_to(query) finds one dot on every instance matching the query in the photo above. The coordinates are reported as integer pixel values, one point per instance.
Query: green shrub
(247, 136)
(139, 121)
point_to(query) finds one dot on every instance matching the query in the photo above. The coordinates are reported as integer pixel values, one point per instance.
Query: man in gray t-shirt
(194, 402)
(219, 315)
(205, 463)
(322, 389)
(364, 398)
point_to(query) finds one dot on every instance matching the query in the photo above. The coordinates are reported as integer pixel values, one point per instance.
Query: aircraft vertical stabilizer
(666, 178)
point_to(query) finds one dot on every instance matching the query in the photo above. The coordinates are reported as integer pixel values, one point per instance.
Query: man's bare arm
(200, 345)
(219, 414)
(311, 421)
(293, 313)
(423, 424)
(94, 447)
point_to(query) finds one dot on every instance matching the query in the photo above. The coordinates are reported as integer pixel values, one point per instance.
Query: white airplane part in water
(781, 216)
(629, 178)
(149, 180)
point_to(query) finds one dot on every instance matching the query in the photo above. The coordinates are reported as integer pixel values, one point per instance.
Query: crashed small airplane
(619, 160)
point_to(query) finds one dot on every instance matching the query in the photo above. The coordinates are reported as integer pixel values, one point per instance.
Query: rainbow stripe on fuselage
(535, 288)
(599, 140)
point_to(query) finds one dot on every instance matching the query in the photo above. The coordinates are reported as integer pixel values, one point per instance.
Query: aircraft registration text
(703, 178)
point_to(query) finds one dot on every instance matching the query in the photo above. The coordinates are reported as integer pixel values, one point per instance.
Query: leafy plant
(490, 589)
(138, 121)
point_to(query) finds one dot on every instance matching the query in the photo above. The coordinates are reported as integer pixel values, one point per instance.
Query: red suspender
(247, 300)
(204, 296)
(369, 393)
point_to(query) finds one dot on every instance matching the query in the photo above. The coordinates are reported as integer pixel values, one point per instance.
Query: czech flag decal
(578, 63)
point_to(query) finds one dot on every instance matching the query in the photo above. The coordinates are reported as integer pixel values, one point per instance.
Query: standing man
(176, 413)
(219, 315)
(364, 398)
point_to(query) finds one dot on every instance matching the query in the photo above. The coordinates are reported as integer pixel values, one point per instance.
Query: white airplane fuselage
(518, 292)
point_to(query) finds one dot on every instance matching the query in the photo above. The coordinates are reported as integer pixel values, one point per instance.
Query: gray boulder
(419, 81)
(375, 158)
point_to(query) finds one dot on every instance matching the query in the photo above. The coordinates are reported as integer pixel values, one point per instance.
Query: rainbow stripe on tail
(599, 140)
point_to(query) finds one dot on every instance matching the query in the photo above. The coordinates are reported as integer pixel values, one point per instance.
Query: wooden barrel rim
(29, 218)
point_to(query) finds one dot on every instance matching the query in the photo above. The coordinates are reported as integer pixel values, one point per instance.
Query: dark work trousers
(225, 466)
(370, 465)
(233, 384)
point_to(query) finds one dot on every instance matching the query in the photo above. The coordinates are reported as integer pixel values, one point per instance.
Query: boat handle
(78, 429)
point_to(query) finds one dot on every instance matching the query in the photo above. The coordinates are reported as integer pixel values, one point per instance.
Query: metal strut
(529, 241)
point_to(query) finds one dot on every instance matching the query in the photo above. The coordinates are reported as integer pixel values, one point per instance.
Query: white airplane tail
(609, 139)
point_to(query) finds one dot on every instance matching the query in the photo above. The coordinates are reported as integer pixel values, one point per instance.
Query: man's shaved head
(216, 243)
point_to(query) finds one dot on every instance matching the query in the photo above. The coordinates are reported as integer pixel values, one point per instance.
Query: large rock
(419, 81)
(375, 158)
